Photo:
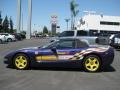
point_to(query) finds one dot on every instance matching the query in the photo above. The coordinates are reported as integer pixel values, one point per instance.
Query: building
(53, 24)
(99, 24)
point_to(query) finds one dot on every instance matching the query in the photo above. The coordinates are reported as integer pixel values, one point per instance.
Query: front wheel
(92, 63)
(21, 62)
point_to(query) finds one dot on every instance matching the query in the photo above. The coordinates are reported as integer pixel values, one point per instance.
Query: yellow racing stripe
(49, 57)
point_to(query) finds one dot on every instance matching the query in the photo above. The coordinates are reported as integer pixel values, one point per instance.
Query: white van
(83, 35)
(9, 37)
(114, 41)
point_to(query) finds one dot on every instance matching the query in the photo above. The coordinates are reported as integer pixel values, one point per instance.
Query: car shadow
(4, 43)
(105, 69)
(76, 69)
(108, 69)
(117, 49)
(57, 69)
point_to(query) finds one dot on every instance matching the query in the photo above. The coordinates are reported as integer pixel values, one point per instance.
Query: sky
(43, 9)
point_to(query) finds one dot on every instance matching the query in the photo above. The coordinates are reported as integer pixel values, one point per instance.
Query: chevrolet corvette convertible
(63, 52)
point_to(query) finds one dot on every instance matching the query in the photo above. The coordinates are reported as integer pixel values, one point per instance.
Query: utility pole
(28, 34)
(22, 21)
(67, 20)
(18, 15)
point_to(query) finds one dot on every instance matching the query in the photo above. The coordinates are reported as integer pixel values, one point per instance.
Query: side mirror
(53, 49)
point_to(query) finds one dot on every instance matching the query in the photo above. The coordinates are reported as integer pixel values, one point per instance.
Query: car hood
(30, 48)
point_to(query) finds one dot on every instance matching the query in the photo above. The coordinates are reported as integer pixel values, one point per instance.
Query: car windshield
(48, 44)
(61, 44)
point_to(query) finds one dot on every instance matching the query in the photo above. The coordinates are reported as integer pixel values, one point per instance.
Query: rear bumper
(6, 61)
(108, 57)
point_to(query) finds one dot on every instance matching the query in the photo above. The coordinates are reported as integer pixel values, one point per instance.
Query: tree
(6, 24)
(11, 26)
(45, 30)
(0, 22)
(74, 13)
(23, 34)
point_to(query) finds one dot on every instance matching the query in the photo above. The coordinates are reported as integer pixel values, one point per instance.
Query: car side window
(66, 45)
(6, 34)
(67, 34)
(81, 44)
(63, 44)
(82, 33)
(118, 35)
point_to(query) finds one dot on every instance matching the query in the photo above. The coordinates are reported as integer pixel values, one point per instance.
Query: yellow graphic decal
(49, 57)
(62, 53)
(38, 57)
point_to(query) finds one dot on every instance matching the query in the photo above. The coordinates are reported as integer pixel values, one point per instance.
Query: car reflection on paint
(69, 52)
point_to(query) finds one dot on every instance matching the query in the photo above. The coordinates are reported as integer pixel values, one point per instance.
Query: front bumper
(7, 61)
(108, 57)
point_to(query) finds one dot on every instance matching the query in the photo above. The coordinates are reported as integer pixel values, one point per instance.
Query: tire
(92, 63)
(21, 62)
(0, 41)
(9, 40)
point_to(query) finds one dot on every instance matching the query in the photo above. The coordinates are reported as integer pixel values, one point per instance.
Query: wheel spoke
(88, 64)
(17, 63)
(23, 65)
(24, 61)
(89, 60)
(96, 65)
(21, 57)
(92, 67)
(18, 58)
(94, 61)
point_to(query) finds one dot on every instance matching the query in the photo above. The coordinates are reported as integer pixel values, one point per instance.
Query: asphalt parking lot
(55, 79)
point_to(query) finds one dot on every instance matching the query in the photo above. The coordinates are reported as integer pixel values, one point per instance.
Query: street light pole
(28, 35)
(18, 15)
(22, 21)
(67, 20)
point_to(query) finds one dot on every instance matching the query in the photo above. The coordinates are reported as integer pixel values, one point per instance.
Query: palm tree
(74, 13)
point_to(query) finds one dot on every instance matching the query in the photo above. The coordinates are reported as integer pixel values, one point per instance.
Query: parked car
(83, 35)
(2, 39)
(18, 36)
(70, 52)
(114, 41)
(9, 37)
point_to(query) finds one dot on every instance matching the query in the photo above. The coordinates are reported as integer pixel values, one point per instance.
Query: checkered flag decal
(77, 56)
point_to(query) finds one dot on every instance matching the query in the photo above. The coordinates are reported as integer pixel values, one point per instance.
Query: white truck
(83, 35)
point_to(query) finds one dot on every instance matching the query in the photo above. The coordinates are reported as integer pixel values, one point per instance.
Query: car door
(66, 49)
(45, 55)
(61, 50)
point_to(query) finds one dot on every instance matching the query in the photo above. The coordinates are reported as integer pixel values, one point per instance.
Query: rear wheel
(21, 62)
(9, 40)
(92, 63)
